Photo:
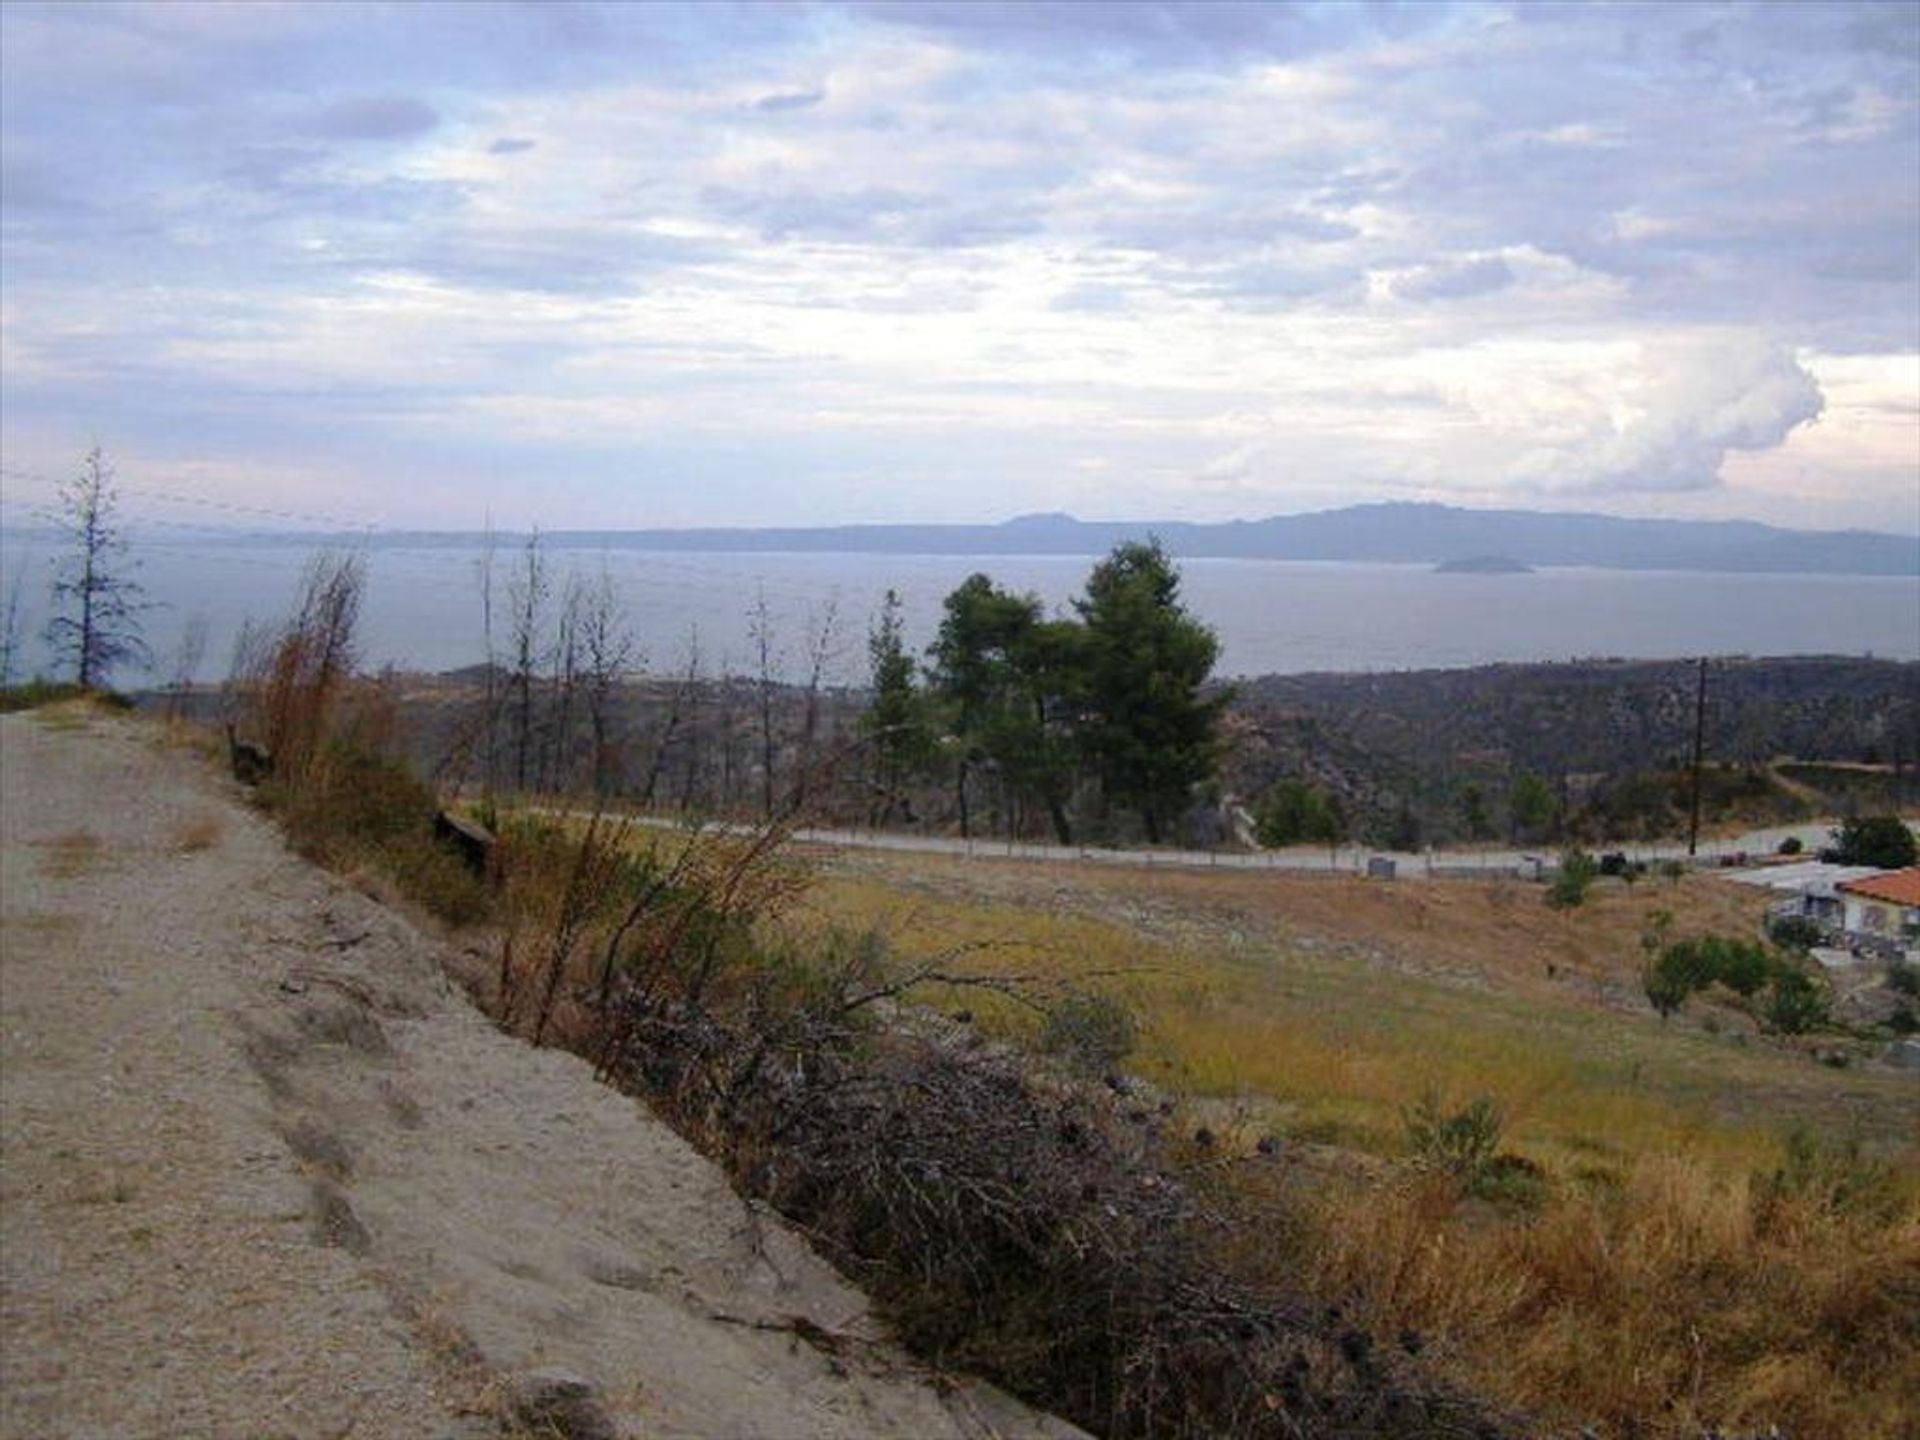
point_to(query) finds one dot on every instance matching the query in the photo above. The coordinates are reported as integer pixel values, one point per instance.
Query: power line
(231, 507)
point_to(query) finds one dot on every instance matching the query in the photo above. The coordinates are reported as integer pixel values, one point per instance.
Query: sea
(423, 611)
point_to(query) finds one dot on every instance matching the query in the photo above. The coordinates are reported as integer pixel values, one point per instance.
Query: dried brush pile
(1044, 1232)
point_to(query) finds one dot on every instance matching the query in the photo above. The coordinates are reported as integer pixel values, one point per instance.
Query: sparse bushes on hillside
(1903, 977)
(341, 799)
(1575, 877)
(1795, 932)
(1794, 1001)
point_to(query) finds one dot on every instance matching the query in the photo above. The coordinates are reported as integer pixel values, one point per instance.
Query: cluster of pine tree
(1108, 711)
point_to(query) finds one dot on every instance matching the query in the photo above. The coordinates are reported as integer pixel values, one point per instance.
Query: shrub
(1666, 990)
(1795, 1003)
(1089, 1034)
(1743, 966)
(1462, 1143)
(1795, 932)
(1883, 841)
(1903, 977)
(36, 693)
(1293, 812)
(352, 807)
(1832, 1177)
(1575, 876)
(1792, 845)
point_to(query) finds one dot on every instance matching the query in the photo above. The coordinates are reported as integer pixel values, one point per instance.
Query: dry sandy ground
(264, 1172)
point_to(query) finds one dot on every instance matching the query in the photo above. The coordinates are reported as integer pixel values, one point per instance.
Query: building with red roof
(1885, 906)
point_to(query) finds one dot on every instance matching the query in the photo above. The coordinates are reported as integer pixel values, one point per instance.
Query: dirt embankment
(264, 1172)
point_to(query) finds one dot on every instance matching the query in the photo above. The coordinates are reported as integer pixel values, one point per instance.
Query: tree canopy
(1879, 840)
(1149, 728)
(1113, 697)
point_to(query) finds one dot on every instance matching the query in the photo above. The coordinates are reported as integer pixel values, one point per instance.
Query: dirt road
(264, 1172)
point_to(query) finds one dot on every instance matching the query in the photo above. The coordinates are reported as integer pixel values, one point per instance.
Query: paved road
(1347, 859)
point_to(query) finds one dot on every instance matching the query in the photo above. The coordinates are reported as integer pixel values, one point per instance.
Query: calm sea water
(423, 609)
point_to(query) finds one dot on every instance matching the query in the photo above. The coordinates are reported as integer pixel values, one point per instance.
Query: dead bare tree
(556, 749)
(760, 635)
(310, 661)
(688, 705)
(10, 631)
(187, 656)
(608, 649)
(678, 702)
(527, 593)
(823, 641)
(490, 716)
(726, 727)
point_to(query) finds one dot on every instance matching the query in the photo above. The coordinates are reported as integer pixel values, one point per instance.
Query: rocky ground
(265, 1172)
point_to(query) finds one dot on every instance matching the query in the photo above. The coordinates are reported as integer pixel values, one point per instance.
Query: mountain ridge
(1393, 532)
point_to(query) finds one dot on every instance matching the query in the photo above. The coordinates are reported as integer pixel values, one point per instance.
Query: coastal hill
(1395, 532)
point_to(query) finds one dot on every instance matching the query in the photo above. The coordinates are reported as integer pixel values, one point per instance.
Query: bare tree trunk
(609, 649)
(557, 747)
(691, 779)
(10, 631)
(527, 593)
(490, 735)
(760, 631)
(727, 733)
(186, 660)
(676, 710)
(821, 652)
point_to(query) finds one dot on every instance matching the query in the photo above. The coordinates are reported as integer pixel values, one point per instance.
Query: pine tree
(1149, 726)
(896, 723)
(96, 625)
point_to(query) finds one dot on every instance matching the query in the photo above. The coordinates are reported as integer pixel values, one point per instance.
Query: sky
(435, 265)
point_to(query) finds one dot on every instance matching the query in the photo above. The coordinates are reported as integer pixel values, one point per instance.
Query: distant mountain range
(1394, 532)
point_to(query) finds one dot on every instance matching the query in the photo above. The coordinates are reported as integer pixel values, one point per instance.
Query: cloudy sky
(658, 265)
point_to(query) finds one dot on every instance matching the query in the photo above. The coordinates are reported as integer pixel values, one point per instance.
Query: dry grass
(197, 833)
(1676, 1294)
(1659, 1286)
(68, 856)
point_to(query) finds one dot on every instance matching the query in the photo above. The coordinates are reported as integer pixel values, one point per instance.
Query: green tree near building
(1149, 729)
(1879, 840)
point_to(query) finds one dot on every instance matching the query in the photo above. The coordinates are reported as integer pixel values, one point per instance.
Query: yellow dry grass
(1652, 1287)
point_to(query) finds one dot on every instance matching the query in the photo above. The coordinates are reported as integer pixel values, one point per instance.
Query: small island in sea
(1483, 565)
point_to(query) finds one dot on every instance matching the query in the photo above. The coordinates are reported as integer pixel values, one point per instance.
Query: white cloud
(1668, 421)
(1451, 252)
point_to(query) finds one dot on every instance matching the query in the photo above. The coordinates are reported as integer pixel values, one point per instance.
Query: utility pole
(1699, 746)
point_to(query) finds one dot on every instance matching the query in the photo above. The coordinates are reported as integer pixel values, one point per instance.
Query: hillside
(1611, 738)
(266, 1172)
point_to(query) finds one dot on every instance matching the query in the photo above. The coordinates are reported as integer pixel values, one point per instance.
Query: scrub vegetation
(1199, 1153)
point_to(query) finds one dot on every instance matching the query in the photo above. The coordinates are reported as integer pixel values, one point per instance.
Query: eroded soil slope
(264, 1172)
